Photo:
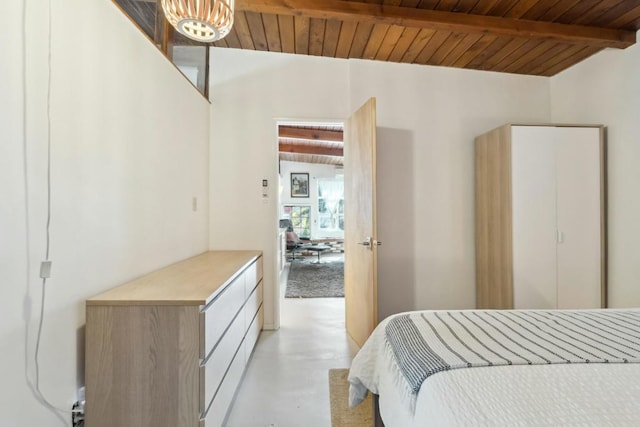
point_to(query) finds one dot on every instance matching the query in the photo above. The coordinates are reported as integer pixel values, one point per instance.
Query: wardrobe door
(578, 176)
(534, 217)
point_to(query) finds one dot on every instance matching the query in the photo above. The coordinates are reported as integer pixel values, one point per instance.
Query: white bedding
(578, 394)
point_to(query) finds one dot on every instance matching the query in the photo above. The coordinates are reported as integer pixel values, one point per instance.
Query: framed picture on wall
(299, 184)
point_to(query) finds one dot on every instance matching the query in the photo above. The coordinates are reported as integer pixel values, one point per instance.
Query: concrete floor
(286, 383)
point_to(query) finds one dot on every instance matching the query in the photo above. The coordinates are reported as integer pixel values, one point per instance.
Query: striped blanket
(425, 343)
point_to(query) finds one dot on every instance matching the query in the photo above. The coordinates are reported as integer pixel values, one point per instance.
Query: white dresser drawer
(253, 274)
(217, 412)
(252, 305)
(259, 269)
(253, 333)
(212, 372)
(219, 313)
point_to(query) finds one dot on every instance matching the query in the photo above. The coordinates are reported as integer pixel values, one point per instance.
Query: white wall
(427, 120)
(605, 89)
(316, 172)
(250, 91)
(129, 150)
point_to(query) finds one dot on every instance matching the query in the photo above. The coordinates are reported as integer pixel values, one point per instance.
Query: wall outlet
(77, 410)
(77, 414)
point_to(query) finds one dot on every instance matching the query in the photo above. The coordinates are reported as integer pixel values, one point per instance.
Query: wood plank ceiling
(535, 37)
(311, 144)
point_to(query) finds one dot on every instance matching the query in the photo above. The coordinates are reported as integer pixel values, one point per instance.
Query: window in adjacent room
(300, 217)
(331, 204)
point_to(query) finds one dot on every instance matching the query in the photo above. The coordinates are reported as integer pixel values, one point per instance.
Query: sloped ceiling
(535, 37)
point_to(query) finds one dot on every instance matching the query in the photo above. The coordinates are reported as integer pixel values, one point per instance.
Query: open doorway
(311, 212)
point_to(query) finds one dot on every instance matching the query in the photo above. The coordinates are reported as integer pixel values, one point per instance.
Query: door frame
(276, 210)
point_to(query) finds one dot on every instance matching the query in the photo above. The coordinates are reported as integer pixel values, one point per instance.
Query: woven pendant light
(200, 20)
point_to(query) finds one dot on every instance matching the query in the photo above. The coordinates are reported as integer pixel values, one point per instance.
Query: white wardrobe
(540, 217)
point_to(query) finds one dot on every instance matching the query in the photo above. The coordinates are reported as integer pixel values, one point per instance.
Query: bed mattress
(587, 395)
(595, 394)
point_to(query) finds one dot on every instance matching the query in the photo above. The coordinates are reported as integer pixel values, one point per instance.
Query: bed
(517, 367)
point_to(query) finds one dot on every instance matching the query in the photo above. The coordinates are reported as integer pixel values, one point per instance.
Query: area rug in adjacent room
(341, 414)
(309, 280)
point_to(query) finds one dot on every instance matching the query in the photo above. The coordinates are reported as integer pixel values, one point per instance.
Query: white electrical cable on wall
(46, 265)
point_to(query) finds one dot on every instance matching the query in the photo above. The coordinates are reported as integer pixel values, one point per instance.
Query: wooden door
(360, 243)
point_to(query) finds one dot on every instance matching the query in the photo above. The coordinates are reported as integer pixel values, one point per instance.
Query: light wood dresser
(169, 348)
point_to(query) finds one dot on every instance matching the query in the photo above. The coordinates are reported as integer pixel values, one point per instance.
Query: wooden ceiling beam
(368, 13)
(316, 150)
(293, 132)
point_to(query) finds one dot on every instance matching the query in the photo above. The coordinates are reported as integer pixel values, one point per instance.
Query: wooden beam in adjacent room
(292, 132)
(369, 13)
(316, 150)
